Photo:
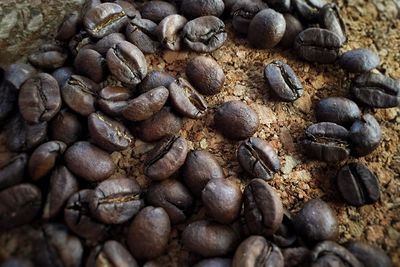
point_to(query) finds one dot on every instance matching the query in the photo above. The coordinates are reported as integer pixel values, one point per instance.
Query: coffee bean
(111, 253)
(155, 79)
(199, 8)
(200, 167)
(257, 251)
(157, 10)
(236, 120)
(49, 56)
(169, 32)
(12, 170)
(209, 239)
(112, 100)
(282, 6)
(281, 78)
(62, 75)
(369, 255)
(329, 253)
(293, 28)
(69, 27)
(214, 262)
(104, 19)
(376, 90)
(266, 29)
(91, 64)
(115, 201)
(146, 105)
(206, 75)
(89, 162)
(142, 33)
(365, 136)
(317, 45)
(330, 18)
(204, 34)
(359, 60)
(309, 9)
(129, 8)
(19, 205)
(39, 98)
(296, 256)
(222, 200)
(243, 12)
(18, 73)
(285, 236)
(263, 210)
(327, 141)
(173, 197)
(149, 233)
(80, 41)
(108, 41)
(44, 158)
(316, 222)
(186, 100)
(127, 63)
(66, 127)
(338, 110)
(165, 158)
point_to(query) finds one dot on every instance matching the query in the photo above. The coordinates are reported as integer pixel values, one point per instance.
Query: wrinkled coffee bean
(166, 158)
(330, 18)
(169, 32)
(13, 170)
(266, 29)
(49, 56)
(243, 12)
(19, 205)
(112, 253)
(338, 110)
(66, 127)
(257, 251)
(204, 34)
(173, 197)
(205, 75)
(317, 45)
(80, 41)
(365, 136)
(112, 100)
(358, 185)
(281, 78)
(368, 255)
(142, 33)
(39, 98)
(293, 28)
(115, 201)
(199, 8)
(214, 262)
(327, 141)
(316, 222)
(91, 64)
(236, 120)
(69, 27)
(44, 158)
(200, 167)
(296, 256)
(62, 75)
(263, 210)
(329, 253)
(89, 162)
(17, 74)
(155, 79)
(157, 10)
(359, 60)
(309, 9)
(209, 239)
(186, 100)
(149, 233)
(105, 43)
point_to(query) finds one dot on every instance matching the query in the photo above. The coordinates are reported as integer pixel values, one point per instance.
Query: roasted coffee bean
(209, 239)
(146, 105)
(16, 262)
(285, 236)
(376, 90)
(186, 100)
(127, 63)
(115, 201)
(142, 33)
(112, 253)
(263, 210)
(316, 222)
(243, 12)
(369, 255)
(22, 136)
(293, 28)
(17, 74)
(258, 158)
(214, 262)
(309, 9)
(39, 98)
(296, 256)
(44, 158)
(236, 120)
(330, 18)
(149, 233)
(91, 64)
(112, 100)
(63, 184)
(157, 10)
(199, 8)
(327, 141)
(206, 75)
(365, 135)
(89, 162)
(80, 41)
(169, 32)
(160, 125)
(69, 27)
(66, 127)
(317, 45)
(19, 205)
(12, 170)
(173, 197)
(49, 56)
(105, 43)
(338, 110)
(166, 158)
(62, 75)
(79, 93)
(155, 79)
(266, 29)
(199, 168)
(129, 8)
(359, 60)
(329, 253)
(204, 34)
(280, 5)
(104, 19)
(78, 219)
(257, 251)
(107, 133)
(281, 78)
(358, 185)
(222, 200)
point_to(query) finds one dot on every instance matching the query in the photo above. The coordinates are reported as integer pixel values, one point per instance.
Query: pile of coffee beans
(89, 94)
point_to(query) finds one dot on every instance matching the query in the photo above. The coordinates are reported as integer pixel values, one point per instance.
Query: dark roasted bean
(338, 110)
(69, 27)
(112, 253)
(66, 127)
(293, 28)
(169, 32)
(199, 8)
(214, 262)
(243, 12)
(79, 41)
(142, 33)
(62, 75)
(155, 79)
(91, 64)
(13, 170)
(309, 9)
(359, 60)
(112, 100)
(285, 236)
(18, 73)
(365, 135)
(49, 56)
(329, 253)
(105, 43)
(157, 10)
(297, 256)
(368, 255)
(330, 18)
(129, 8)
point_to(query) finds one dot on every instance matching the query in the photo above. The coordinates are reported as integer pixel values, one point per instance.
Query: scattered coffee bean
(331, 19)
(49, 56)
(293, 28)
(66, 127)
(329, 253)
(369, 255)
(112, 100)
(91, 64)
(112, 253)
(338, 110)
(142, 33)
(62, 75)
(214, 262)
(243, 12)
(365, 136)
(199, 8)
(12, 170)
(309, 9)
(155, 79)
(105, 43)
(157, 10)
(359, 60)
(169, 32)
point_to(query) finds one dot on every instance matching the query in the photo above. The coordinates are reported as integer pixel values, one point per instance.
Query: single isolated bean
(169, 32)
(359, 60)
(243, 12)
(365, 135)
(338, 110)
